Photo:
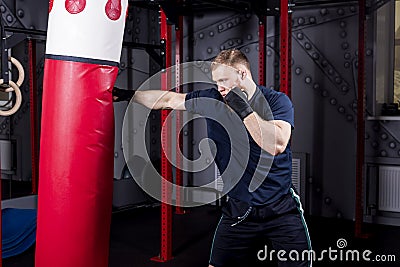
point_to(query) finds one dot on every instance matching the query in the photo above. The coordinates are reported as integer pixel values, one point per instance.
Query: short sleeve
(282, 108)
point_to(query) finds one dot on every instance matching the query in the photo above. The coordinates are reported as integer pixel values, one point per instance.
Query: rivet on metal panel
(328, 200)
(20, 13)
(340, 11)
(315, 56)
(9, 18)
(349, 117)
(374, 144)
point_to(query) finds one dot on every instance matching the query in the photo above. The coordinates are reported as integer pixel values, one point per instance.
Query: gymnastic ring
(21, 72)
(14, 87)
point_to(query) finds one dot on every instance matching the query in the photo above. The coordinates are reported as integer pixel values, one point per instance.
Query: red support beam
(359, 208)
(178, 86)
(166, 170)
(261, 50)
(285, 48)
(33, 114)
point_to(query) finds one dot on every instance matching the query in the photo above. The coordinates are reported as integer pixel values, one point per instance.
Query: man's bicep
(285, 128)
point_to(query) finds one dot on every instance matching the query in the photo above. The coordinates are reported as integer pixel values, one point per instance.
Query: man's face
(226, 78)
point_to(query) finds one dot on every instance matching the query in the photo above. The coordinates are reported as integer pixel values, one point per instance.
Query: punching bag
(83, 48)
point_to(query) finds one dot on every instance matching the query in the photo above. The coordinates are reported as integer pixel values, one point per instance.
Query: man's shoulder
(274, 97)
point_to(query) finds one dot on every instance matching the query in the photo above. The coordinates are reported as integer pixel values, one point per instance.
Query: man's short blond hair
(230, 57)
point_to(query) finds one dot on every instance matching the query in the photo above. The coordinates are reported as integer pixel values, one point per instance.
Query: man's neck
(251, 89)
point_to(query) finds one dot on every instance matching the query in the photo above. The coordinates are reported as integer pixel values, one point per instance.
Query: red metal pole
(360, 122)
(286, 48)
(178, 84)
(261, 50)
(33, 114)
(166, 171)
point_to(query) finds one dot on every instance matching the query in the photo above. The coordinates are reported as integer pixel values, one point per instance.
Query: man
(262, 204)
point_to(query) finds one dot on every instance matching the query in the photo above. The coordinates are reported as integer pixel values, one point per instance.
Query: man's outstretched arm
(153, 99)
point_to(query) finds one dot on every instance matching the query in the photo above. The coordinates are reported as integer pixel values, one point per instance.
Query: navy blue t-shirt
(250, 174)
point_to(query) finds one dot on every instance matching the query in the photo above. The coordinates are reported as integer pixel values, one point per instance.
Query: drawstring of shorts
(242, 218)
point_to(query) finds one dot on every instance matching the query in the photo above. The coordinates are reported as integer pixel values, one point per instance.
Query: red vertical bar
(360, 122)
(261, 50)
(286, 48)
(166, 171)
(178, 85)
(33, 114)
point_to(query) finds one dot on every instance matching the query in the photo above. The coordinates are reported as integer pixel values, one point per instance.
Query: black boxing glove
(122, 95)
(237, 100)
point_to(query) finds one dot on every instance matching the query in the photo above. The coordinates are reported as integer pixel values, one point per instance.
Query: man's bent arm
(272, 136)
(157, 99)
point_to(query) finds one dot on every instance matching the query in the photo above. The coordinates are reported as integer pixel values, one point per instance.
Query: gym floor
(135, 238)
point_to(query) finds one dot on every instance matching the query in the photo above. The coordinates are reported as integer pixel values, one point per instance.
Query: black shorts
(252, 236)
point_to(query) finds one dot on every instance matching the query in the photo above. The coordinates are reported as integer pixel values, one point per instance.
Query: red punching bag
(83, 48)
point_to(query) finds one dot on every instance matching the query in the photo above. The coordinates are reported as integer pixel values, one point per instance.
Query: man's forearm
(153, 99)
(157, 99)
(267, 134)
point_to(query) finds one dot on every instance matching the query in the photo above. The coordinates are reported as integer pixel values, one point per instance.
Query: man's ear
(242, 74)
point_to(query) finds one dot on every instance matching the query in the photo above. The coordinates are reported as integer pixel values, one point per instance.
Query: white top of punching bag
(86, 29)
